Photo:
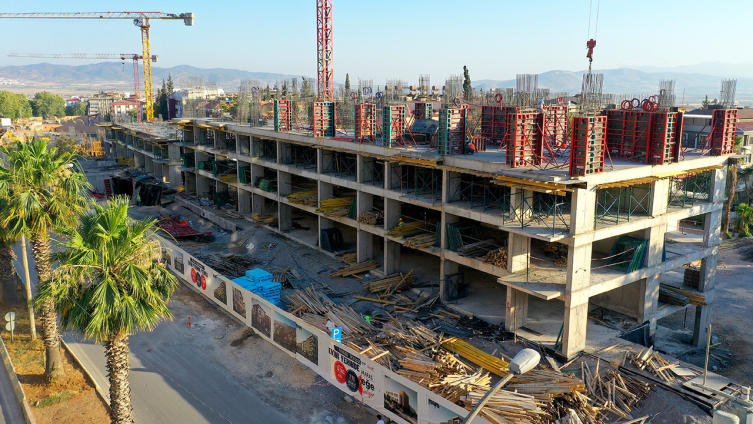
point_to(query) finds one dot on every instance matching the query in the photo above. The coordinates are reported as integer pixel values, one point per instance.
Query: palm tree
(111, 283)
(42, 190)
(743, 220)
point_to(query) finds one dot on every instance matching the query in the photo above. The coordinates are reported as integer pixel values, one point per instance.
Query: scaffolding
(523, 137)
(301, 156)
(417, 181)
(554, 129)
(364, 130)
(424, 84)
(588, 145)
(477, 191)
(453, 125)
(265, 149)
(622, 204)
(373, 172)
(688, 189)
(340, 164)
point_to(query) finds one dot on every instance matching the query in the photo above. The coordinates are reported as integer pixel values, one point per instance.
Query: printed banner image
(220, 293)
(400, 400)
(307, 345)
(284, 332)
(261, 319)
(438, 414)
(239, 304)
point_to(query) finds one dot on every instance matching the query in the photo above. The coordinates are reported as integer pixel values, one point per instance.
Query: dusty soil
(70, 399)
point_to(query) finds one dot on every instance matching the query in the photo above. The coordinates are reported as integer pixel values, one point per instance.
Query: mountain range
(693, 82)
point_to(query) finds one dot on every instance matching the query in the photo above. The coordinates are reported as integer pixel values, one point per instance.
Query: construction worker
(138, 200)
(470, 148)
(401, 223)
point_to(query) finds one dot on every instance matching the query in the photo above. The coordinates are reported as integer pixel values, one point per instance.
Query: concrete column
(391, 248)
(518, 248)
(659, 197)
(244, 202)
(257, 204)
(257, 171)
(359, 168)
(649, 287)
(712, 238)
(449, 190)
(175, 179)
(516, 313)
(365, 245)
(284, 188)
(391, 213)
(446, 267)
(582, 210)
(576, 297)
(202, 185)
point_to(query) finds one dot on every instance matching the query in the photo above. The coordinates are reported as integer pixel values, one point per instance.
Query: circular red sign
(203, 282)
(193, 274)
(340, 372)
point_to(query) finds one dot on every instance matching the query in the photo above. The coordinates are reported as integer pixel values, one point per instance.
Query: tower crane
(140, 19)
(134, 57)
(326, 81)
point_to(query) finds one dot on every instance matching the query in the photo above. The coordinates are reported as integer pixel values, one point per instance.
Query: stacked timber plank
(308, 198)
(496, 257)
(507, 407)
(407, 229)
(477, 356)
(230, 264)
(694, 298)
(390, 283)
(545, 385)
(672, 298)
(368, 218)
(691, 277)
(421, 240)
(614, 393)
(349, 258)
(475, 250)
(355, 269)
(335, 207)
(648, 359)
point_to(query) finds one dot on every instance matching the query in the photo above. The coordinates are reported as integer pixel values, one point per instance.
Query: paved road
(10, 410)
(172, 384)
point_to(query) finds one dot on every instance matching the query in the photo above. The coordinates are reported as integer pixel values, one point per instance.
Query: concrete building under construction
(550, 217)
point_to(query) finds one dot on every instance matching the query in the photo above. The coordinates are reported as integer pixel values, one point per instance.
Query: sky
(381, 39)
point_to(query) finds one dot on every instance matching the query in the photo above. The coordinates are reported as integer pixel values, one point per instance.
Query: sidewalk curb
(102, 395)
(17, 389)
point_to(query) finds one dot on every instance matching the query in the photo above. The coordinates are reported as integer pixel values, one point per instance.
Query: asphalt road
(170, 383)
(10, 410)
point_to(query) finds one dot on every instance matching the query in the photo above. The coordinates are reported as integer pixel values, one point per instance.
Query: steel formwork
(723, 128)
(554, 133)
(393, 125)
(688, 189)
(588, 145)
(423, 110)
(365, 121)
(494, 125)
(666, 128)
(621, 204)
(523, 137)
(629, 134)
(323, 121)
(453, 124)
(283, 115)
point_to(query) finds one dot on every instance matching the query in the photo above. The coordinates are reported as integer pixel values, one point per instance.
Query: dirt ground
(733, 305)
(70, 399)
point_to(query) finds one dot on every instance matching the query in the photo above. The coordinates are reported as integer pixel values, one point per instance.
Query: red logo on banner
(193, 274)
(340, 372)
(203, 282)
(360, 385)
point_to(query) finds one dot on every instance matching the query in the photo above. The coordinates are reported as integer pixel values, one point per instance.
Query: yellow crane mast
(140, 19)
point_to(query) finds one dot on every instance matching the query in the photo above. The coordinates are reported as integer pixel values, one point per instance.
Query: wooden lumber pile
(355, 269)
(507, 407)
(614, 392)
(496, 257)
(477, 356)
(649, 360)
(308, 198)
(349, 258)
(390, 283)
(421, 240)
(230, 264)
(284, 276)
(335, 207)
(265, 219)
(475, 250)
(545, 385)
(407, 229)
(317, 309)
(454, 387)
(672, 298)
(694, 298)
(368, 218)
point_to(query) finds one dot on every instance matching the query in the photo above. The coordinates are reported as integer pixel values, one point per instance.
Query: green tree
(305, 89)
(170, 84)
(133, 113)
(467, 88)
(284, 89)
(347, 84)
(43, 191)
(13, 105)
(48, 105)
(68, 145)
(267, 94)
(743, 219)
(79, 109)
(705, 103)
(110, 284)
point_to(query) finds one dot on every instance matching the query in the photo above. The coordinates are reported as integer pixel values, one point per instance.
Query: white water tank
(722, 417)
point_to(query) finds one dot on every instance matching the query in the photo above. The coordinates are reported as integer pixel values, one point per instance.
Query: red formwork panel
(554, 131)
(663, 137)
(629, 135)
(364, 123)
(723, 128)
(588, 144)
(493, 124)
(523, 137)
(615, 132)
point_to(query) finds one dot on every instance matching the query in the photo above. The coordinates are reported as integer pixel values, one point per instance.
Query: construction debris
(421, 241)
(355, 269)
(390, 283)
(229, 264)
(496, 257)
(348, 258)
(371, 218)
(651, 361)
(308, 198)
(335, 207)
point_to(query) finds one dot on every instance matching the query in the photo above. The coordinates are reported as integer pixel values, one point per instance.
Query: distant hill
(631, 81)
(116, 73)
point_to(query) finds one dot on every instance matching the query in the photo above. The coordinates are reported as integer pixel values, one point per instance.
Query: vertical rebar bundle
(666, 94)
(591, 92)
(727, 93)
(424, 84)
(453, 87)
(244, 102)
